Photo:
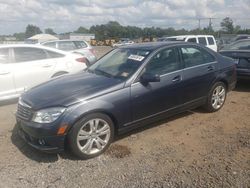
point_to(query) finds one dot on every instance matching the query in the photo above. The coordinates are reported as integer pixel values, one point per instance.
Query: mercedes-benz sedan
(129, 87)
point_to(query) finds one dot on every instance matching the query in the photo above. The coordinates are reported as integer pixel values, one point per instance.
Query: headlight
(48, 115)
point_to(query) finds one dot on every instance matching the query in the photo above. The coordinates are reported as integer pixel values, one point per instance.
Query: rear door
(7, 87)
(31, 67)
(199, 72)
(157, 97)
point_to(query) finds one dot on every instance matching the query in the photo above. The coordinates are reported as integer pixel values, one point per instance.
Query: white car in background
(23, 66)
(206, 40)
(75, 46)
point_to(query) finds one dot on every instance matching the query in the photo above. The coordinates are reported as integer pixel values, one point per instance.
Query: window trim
(199, 48)
(9, 59)
(14, 55)
(137, 78)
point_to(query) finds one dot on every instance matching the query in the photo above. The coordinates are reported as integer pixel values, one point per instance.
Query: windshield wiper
(103, 73)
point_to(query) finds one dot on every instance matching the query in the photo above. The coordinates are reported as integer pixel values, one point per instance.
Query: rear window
(54, 54)
(4, 55)
(210, 40)
(66, 45)
(50, 44)
(29, 54)
(241, 45)
(202, 40)
(80, 44)
(192, 40)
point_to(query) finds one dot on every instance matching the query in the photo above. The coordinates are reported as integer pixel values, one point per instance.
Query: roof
(32, 46)
(43, 37)
(185, 36)
(152, 45)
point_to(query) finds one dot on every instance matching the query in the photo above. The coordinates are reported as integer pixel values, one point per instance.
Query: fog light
(41, 142)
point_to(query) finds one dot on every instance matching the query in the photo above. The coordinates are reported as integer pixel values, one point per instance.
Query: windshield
(120, 63)
(240, 45)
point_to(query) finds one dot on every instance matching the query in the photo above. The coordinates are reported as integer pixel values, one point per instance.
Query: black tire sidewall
(72, 141)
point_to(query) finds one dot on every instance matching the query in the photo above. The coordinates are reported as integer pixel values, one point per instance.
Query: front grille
(24, 112)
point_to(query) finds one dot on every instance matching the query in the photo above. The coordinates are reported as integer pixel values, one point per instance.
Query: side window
(192, 40)
(50, 44)
(54, 54)
(210, 40)
(29, 54)
(4, 55)
(66, 45)
(194, 56)
(80, 44)
(202, 40)
(165, 61)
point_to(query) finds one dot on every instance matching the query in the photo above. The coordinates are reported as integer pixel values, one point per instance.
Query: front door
(156, 97)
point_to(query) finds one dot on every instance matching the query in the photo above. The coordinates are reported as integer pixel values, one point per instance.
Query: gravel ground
(193, 149)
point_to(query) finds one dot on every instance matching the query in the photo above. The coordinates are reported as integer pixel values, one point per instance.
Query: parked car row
(129, 87)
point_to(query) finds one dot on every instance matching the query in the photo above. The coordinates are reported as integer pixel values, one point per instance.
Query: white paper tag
(136, 57)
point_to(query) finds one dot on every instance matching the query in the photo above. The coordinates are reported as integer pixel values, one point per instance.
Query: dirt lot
(193, 149)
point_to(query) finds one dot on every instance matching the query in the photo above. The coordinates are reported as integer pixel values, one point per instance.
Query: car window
(242, 45)
(192, 40)
(202, 40)
(80, 44)
(50, 44)
(54, 54)
(4, 55)
(210, 40)
(193, 56)
(165, 61)
(29, 54)
(66, 45)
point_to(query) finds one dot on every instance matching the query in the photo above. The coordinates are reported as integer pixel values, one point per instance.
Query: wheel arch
(101, 111)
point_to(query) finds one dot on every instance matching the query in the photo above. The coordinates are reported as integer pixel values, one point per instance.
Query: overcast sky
(68, 15)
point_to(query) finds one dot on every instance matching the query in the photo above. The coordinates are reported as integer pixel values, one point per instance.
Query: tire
(91, 135)
(216, 97)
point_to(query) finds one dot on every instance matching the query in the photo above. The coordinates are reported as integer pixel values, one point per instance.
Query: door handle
(47, 65)
(4, 72)
(177, 78)
(210, 68)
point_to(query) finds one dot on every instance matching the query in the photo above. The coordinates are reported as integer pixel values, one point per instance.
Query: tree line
(114, 30)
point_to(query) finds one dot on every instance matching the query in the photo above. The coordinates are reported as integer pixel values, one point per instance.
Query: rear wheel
(216, 97)
(91, 135)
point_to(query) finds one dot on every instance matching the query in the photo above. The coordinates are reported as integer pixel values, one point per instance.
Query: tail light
(92, 51)
(81, 60)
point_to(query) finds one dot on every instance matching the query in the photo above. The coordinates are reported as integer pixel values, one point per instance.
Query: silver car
(75, 46)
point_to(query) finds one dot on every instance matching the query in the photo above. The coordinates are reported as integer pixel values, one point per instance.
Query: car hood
(70, 89)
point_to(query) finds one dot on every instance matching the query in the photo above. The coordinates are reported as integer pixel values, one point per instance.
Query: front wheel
(91, 135)
(216, 97)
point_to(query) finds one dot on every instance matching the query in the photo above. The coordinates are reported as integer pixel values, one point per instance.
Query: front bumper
(37, 138)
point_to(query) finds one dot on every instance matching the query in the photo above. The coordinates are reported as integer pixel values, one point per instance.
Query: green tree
(82, 30)
(32, 30)
(227, 25)
(19, 36)
(49, 31)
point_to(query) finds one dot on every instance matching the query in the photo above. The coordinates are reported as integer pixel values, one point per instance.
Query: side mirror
(147, 77)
